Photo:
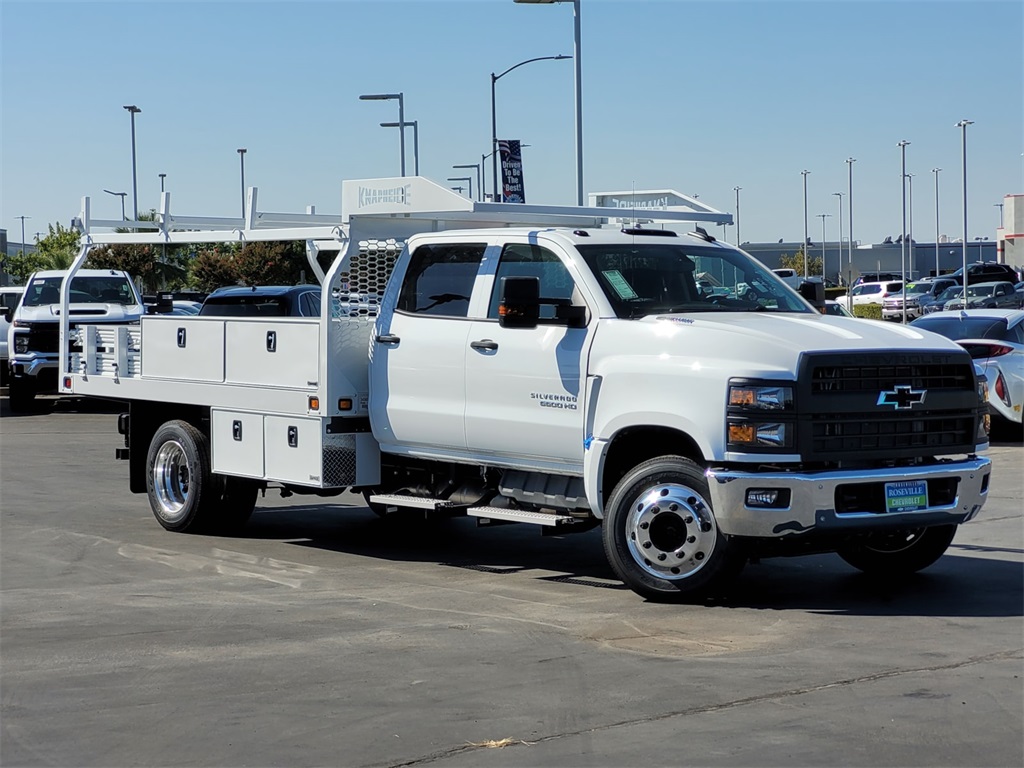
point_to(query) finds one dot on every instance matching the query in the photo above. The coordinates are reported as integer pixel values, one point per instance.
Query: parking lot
(327, 636)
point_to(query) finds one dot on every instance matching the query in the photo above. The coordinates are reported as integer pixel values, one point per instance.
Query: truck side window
(439, 280)
(524, 260)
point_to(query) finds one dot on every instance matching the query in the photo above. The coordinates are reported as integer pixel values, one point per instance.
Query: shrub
(868, 311)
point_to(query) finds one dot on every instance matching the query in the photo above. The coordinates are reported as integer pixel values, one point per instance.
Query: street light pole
(806, 237)
(23, 233)
(823, 216)
(577, 85)
(162, 177)
(241, 160)
(133, 110)
(415, 142)
(479, 184)
(737, 190)
(494, 118)
(400, 97)
(122, 195)
(936, 172)
(839, 272)
(469, 182)
(910, 224)
(1000, 207)
(849, 270)
(903, 232)
(962, 125)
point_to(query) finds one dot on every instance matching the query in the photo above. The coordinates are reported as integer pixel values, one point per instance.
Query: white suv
(870, 293)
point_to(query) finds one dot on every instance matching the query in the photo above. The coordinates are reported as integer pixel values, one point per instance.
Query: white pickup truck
(105, 296)
(565, 373)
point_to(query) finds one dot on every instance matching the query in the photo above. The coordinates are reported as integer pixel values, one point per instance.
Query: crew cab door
(525, 386)
(418, 351)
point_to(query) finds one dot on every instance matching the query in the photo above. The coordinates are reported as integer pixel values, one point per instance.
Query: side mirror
(520, 302)
(6, 313)
(814, 292)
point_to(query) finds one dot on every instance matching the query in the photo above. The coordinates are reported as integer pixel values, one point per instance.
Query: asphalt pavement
(325, 636)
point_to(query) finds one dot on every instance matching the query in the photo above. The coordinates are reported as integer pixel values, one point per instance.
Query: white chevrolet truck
(105, 296)
(555, 367)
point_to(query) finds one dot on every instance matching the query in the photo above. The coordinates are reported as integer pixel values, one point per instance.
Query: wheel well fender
(633, 445)
(144, 419)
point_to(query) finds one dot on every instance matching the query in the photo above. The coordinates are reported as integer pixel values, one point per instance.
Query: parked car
(263, 301)
(10, 295)
(987, 296)
(915, 294)
(790, 277)
(870, 293)
(995, 339)
(835, 308)
(939, 302)
(986, 272)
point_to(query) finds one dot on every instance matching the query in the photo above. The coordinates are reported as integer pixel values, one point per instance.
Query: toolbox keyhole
(293, 437)
(271, 341)
(181, 337)
(236, 429)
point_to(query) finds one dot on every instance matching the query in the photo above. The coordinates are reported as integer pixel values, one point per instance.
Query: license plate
(906, 496)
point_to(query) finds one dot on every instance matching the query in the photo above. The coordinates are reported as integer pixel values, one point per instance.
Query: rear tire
(660, 534)
(901, 552)
(182, 492)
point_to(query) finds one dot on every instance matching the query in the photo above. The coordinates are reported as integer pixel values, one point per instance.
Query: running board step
(520, 516)
(414, 502)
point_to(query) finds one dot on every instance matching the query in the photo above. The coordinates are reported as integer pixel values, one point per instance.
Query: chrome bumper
(812, 506)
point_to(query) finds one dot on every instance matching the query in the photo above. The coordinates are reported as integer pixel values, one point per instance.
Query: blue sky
(699, 96)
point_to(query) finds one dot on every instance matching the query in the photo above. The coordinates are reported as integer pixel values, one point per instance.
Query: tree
(55, 251)
(796, 263)
(271, 263)
(212, 269)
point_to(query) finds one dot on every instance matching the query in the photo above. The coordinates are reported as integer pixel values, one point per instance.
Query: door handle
(484, 344)
(386, 339)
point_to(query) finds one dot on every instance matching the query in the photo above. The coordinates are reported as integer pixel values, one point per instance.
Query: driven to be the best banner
(511, 155)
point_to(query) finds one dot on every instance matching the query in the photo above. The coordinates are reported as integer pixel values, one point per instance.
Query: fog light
(762, 497)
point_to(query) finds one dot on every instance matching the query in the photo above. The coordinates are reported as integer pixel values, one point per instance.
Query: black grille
(876, 378)
(851, 407)
(43, 337)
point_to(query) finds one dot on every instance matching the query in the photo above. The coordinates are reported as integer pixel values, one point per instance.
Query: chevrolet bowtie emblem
(902, 398)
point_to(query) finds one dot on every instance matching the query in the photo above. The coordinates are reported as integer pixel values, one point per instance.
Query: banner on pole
(511, 171)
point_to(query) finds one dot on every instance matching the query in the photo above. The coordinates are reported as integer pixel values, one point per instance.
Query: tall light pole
(737, 190)
(849, 164)
(962, 125)
(1000, 207)
(479, 181)
(806, 236)
(23, 232)
(415, 124)
(903, 232)
(400, 97)
(122, 195)
(578, 86)
(839, 272)
(241, 159)
(910, 224)
(494, 114)
(936, 172)
(162, 177)
(823, 216)
(133, 110)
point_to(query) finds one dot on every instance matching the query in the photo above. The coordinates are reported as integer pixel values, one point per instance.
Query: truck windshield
(645, 279)
(102, 289)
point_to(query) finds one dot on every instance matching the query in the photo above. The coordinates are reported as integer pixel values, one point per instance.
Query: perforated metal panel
(358, 290)
(339, 460)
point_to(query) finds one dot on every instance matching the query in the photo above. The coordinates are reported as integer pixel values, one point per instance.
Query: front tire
(660, 533)
(899, 553)
(20, 393)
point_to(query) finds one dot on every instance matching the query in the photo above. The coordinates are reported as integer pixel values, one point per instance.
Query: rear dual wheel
(660, 533)
(184, 494)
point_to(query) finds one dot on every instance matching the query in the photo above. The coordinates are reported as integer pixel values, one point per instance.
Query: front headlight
(21, 343)
(760, 416)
